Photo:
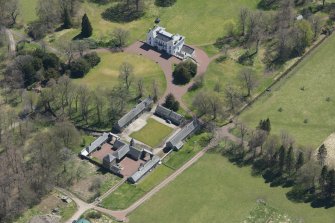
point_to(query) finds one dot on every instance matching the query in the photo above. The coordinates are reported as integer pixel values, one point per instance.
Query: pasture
(153, 133)
(106, 74)
(214, 190)
(303, 104)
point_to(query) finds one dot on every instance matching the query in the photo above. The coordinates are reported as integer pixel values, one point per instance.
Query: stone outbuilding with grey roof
(168, 114)
(147, 167)
(133, 114)
(176, 142)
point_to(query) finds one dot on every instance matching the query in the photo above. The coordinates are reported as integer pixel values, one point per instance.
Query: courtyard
(153, 133)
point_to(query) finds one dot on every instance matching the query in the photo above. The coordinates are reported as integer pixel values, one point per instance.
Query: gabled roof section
(187, 49)
(176, 140)
(127, 118)
(145, 169)
(94, 145)
(169, 114)
(122, 149)
(109, 158)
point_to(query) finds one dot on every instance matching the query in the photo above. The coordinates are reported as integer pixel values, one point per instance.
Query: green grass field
(226, 73)
(105, 75)
(27, 11)
(306, 114)
(153, 133)
(214, 190)
(191, 23)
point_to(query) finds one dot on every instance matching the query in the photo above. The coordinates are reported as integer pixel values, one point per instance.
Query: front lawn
(214, 190)
(303, 104)
(153, 133)
(106, 74)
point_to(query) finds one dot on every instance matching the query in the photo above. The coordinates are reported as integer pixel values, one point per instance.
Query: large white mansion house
(173, 44)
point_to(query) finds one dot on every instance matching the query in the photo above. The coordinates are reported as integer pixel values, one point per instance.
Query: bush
(246, 59)
(165, 3)
(184, 72)
(79, 68)
(198, 83)
(94, 215)
(221, 58)
(37, 30)
(92, 58)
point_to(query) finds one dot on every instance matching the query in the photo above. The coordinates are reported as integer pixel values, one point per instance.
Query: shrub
(94, 215)
(79, 68)
(198, 83)
(165, 3)
(37, 30)
(184, 72)
(92, 58)
(246, 59)
(221, 58)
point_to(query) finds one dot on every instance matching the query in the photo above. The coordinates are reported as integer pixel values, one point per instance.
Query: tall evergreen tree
(281, 158)
(289, 160)
(323, 180)
(300, 161)
(322, 154)
(86, 27)
(330, 187)
(67, 23)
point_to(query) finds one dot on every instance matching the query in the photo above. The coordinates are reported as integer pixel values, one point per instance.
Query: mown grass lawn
(200, 21)
(153, 133)
(226, 73)
(214, 190)
(127, 193)
(27, 11)
(106, 73)
(306, 113)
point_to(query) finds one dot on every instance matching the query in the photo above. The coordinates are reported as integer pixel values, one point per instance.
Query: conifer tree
(281, 158)
(86, 27)
(300, 161)
(67, 23)
(289, 160)
(322, 154)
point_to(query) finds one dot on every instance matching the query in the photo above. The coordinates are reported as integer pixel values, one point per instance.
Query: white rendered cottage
(173, 44)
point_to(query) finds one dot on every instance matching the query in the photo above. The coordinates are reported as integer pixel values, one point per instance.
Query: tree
(265, 125)
(232, 97)
(184, 72)
(86, 27)
(290, 159)
(209, 104)
(165, 3)
(119, 38)
(300, 161)
(154, 91)
(140, 87)
(126, 74)
(243, 17)
(9, 11)
(67, 23)
(79, 68)
(281, 158)
(322, 155)
(330, 186)
(248, 80)
(243, 130)
(171, 102)
(323, 180)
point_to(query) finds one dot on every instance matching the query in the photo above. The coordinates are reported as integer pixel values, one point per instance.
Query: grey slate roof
(109, 158)
(163, 37)
(135, 153)
(127, 118)
(187, 49)
(176, 140)
(169, 114)
(122, 149)
(145, 169)
(98, 142)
